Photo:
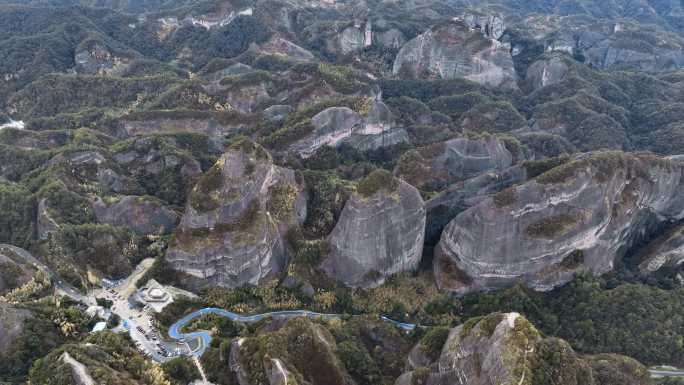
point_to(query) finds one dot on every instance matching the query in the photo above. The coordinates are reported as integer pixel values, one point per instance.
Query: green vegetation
(18, 209)
(505, 198)
(553, 226)
(378, 180)
(55, 94)
(112, 251)
(433, 341)
(535, 168)
(204, 197)
(457, 105)
(326, 196)
(282, 199)
(39, 335)
(109, 357)
(636, 320)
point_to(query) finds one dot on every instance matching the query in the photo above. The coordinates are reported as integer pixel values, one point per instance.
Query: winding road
(204, 337)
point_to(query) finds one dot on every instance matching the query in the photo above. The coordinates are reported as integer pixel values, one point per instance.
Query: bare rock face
(492, 25)
(456, 50)
(11, 325)
(234, 223)
(461, 195)
(336, 125)
(351, 40)
(95, 60)
(280, 46)
(379, 233)
(549, 70)
(607, 44)
(277, 112)
(502, 343)
(579, 216)
(142, 215)
(664, 251)
(440, 164)
(15, 271)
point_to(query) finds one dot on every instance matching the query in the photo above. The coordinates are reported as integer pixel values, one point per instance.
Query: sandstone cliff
(455, 50)
(380, 232)
(234, 223)
(579, 216)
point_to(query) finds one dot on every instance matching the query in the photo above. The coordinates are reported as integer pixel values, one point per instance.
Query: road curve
(205, 337)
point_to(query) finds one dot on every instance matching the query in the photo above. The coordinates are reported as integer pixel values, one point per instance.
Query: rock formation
(234, 223)
(15, 270)
(336, 125)
(579, 216)
(12, 322)
(460, 196)
(313, 356)
(142, 215)
(548, 70)
(664, 251)
(507, 349)
(455, 50)
(379, 233)
(438, 165)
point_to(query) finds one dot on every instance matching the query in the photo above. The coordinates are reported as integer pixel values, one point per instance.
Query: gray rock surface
(441, 164)
(351, 39)
(455, 50)
(549, 70)
(460, 196)
(491, 25)
(336, 125)
(505, 348)
(11, 325)
(664, 251)
(95, 60)
(392, 38)
(15, 271)
(142, 215)
(607, 44)
(232, 231)
(580, 216)
(377, 236)
(277, 112)
(488, 350)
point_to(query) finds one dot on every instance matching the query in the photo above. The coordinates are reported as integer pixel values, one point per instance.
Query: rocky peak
(232, 232)
(380, 232)
(505, 348)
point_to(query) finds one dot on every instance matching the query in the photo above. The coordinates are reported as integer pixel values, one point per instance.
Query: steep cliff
(579, 216)
(232, 231)
(380, 232)
(455, 50)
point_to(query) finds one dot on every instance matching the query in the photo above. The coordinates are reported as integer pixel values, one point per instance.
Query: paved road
(204, 338)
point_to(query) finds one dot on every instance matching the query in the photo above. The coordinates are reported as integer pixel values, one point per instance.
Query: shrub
(506, 197)
(377, 180)
(552, 226)
(432, 342)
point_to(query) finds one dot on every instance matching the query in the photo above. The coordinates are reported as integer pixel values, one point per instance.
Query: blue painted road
(205, 337)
